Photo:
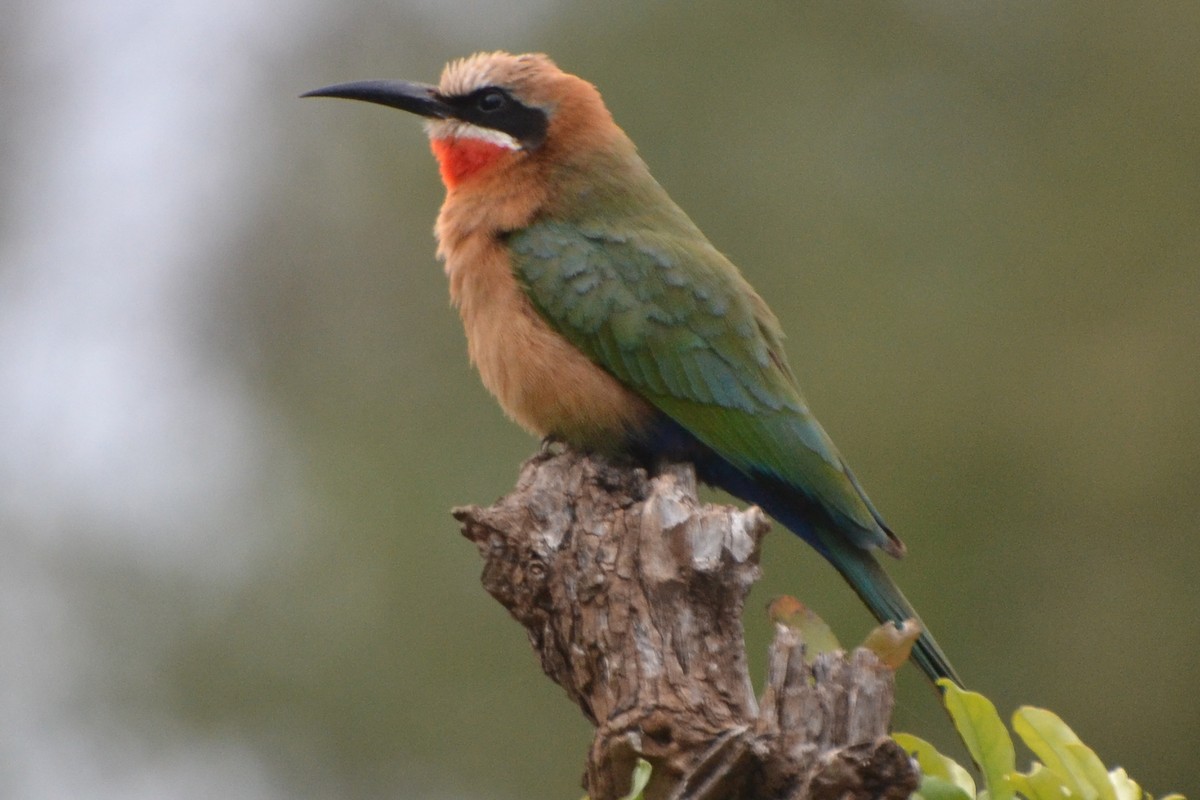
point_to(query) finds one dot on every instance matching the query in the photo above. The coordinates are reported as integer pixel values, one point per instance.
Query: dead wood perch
(632, 592)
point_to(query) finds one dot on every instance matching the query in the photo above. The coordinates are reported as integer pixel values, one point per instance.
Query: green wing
(671, 318)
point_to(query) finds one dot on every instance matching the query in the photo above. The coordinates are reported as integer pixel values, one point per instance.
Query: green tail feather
(886, 601)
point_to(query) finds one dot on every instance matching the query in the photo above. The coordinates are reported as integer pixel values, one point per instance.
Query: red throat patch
(460, 157)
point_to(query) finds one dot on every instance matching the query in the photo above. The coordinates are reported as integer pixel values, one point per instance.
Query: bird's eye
(491, 101)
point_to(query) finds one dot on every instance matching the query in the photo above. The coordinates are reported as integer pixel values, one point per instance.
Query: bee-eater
(598, 313)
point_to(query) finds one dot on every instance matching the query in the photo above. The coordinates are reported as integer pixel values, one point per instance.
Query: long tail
(856, 564)
(788, 505)
(880, 593)
(865, 576)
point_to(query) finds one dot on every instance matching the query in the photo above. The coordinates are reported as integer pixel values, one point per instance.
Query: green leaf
(984, 735)
(1056, 744)
(641, 777)
(1041, 783)
(816, 633)
(893, 643)
(939, 789)
(1124, 786)
(935, 766)
(1092, 768)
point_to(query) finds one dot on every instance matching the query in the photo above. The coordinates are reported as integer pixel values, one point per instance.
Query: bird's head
(494, 111)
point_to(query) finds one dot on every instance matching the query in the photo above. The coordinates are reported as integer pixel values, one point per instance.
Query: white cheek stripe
(457, 129)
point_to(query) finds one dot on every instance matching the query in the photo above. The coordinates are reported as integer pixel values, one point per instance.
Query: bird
(599, 314)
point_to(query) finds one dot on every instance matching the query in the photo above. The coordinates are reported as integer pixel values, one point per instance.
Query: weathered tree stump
(632, 593)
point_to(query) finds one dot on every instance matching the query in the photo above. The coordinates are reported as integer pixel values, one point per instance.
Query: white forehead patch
(468, 74)
(492, 69)
(457, 129)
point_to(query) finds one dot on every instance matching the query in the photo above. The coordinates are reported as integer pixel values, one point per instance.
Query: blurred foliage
(1068, 770)
(979, 225)
(816, 633)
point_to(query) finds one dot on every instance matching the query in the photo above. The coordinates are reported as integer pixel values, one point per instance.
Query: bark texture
(632, 593)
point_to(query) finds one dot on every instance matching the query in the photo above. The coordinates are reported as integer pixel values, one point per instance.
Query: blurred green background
(235, 407)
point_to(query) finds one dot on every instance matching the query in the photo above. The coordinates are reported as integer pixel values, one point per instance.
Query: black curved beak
(418, 98)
